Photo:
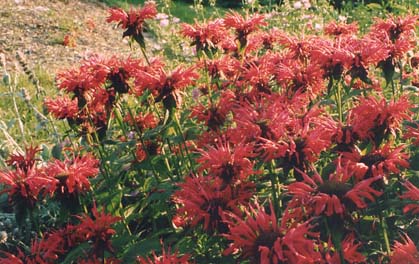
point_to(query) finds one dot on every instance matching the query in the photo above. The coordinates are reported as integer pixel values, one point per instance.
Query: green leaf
(178, 139)
(130, 209)
(414, 162)
(399, 9)
(76, 253)
(327, 102)
(329, 169)
(148, 184)
(119, 243)
(45, 153)
(374, 6)
(352, 93)
(142, 248)
(159, 195)
(158, 130)
(109, 142)
(56, 151)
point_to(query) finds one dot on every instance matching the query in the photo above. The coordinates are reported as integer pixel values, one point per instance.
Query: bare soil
(56, 34)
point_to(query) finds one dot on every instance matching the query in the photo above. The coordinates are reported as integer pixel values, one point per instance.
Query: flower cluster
(133, 21)
(261, 240)
(31, 181)
(49, 249)
(265, 120)
(92, 90)
(268, 148)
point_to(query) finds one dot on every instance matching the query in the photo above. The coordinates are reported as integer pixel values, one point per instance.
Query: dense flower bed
(267, 148)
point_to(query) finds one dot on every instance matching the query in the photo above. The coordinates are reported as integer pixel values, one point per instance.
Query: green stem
(177, 167)
(119, 119)
(166, 162)
(145, 55)
(274, 188)
(401, 76)
(101, 148)
(179, 132)
(336, 232)
(34, 219)
(18, 117)
(385, 234)
(140, 135)
(338, 97)
(341, 255)
(393, 88)
(122, 214)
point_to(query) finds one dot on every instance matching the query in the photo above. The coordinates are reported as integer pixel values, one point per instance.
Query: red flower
(397, 49)
(413, 133)
(203, 202)
(375, 119)
(215, 113)
(243, 26)
(411, 194)
(295, 77)
(26, 187)
(307, 137)
(83, 79)
(259, 74)
(404, 252)
(379, 162)
(142, 121)
(396, 27)
(149, 149)
(62, 107)
(341, 29)
(165, 87)
(120, 72)
(98, 230)
(65, 238)
(133, 21)
(273, 149)
(297, 48)
(24, 162)
(205, 36)
(265, 40)
(167, 257)
(224, 68)
(227, 163)
(344, 138)
(43, 251)
(94, 84)
(365, 52)
(12, 259)
(349, 249)
(333, 60)
(295, 135)
(229, 45)
(94, 87)
(313, 136)
(73, 174)
(260, 239)
(331, 197)
(264, 120)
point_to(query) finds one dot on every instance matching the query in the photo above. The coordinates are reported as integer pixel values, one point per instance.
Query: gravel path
(40, 28)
